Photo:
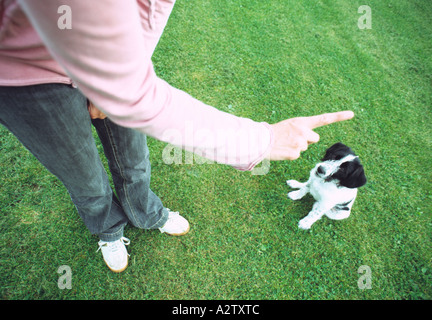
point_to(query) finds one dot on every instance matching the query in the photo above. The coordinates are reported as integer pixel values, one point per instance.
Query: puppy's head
(340, 163)
(337, 152)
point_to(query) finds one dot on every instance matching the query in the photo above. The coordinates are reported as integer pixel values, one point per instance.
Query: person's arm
(107, 57)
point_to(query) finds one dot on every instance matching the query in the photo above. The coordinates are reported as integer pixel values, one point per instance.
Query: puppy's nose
(320, 170)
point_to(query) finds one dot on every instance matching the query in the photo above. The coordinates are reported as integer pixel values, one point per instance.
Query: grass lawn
(267, 60)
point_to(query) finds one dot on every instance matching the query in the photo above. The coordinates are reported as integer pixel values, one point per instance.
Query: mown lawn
(267, 60)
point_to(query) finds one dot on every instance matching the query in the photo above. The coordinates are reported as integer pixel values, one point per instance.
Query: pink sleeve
(107, 53)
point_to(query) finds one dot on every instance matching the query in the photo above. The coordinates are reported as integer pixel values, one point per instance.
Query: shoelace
(115, 245)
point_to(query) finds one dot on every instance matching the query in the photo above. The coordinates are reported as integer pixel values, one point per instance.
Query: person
(59, 77)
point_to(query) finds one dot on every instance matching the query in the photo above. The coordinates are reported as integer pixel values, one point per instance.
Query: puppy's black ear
(337, 152)
(351, 175)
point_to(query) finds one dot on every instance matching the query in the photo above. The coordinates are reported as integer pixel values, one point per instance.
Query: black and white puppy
(333, 183)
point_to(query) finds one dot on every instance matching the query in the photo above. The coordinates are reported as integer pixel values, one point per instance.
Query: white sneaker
(176, 225)
(115, 254)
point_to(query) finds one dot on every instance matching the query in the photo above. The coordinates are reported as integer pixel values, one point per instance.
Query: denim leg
(52, 122)
(128, 158)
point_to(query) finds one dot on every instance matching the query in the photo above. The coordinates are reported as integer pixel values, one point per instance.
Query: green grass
(267, 60)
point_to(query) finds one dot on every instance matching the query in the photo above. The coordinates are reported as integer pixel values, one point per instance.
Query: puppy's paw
(295, 195)
(294, 184)
(304, 224)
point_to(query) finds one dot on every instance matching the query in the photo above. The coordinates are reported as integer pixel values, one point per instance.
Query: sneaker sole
(119, 270)
(179, 234)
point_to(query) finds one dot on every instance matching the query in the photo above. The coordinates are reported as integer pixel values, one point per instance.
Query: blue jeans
(52, 122)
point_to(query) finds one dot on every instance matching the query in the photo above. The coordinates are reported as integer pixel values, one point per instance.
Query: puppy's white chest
(329, 192)
(322, 190)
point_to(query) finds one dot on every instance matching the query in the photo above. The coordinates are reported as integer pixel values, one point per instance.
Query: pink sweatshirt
(107, 53)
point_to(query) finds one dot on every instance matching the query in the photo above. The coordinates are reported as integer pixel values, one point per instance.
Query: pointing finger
(327, 118)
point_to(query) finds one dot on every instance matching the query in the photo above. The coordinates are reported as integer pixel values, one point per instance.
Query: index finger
(327, 118)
